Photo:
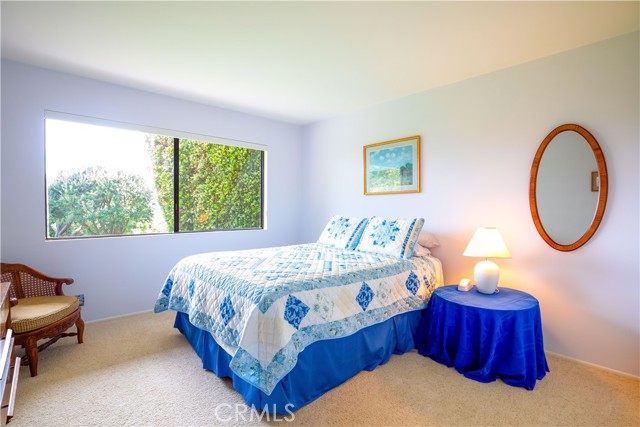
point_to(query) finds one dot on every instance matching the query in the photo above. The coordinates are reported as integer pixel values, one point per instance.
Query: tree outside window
(108, 181)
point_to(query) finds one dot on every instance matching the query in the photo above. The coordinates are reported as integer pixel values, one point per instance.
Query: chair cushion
(37, 312)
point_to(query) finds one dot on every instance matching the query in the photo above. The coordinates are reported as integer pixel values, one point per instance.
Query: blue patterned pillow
(391, 236)
(343, 232)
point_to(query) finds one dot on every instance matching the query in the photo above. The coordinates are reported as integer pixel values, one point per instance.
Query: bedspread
(265, 306)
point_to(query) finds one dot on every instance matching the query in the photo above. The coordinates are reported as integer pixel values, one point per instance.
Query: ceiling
(299, 62)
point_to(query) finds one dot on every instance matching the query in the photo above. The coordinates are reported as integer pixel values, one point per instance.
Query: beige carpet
(139, 371)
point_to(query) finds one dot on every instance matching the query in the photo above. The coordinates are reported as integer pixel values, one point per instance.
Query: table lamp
(487, 243)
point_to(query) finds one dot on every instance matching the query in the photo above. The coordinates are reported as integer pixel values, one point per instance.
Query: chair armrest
(21, 268)
(59, 281)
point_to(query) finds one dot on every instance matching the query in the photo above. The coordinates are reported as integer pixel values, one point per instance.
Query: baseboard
(593, 365)
(119, 316)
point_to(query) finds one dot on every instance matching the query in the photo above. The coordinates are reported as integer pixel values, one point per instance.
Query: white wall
(124, 274)
(479, 139)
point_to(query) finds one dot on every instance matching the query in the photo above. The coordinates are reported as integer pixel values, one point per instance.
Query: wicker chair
(39, 310)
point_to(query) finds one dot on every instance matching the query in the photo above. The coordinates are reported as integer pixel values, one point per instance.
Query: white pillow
(391, 236)
(343, 232)
(420, 250)
(428, 240)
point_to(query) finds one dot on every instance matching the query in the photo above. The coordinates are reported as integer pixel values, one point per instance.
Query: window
(106, 178)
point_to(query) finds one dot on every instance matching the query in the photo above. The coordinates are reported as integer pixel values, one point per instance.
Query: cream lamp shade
(487, 243)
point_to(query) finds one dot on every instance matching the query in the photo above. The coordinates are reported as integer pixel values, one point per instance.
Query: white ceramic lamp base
(486, 274)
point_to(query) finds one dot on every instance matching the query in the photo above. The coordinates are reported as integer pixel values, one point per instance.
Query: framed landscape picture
(392, 167)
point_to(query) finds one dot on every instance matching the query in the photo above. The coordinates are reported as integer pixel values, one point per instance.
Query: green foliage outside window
(161, 152)
(220, 186)
(93, 203)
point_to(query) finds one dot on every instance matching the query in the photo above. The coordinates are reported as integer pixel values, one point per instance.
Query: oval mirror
(568, 187)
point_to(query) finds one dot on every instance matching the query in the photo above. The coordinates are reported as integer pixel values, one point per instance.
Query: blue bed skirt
(321, 366)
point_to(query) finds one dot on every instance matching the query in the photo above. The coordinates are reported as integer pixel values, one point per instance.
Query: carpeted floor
(139, 371)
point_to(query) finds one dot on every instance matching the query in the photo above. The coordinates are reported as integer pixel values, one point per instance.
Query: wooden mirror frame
(602, 196)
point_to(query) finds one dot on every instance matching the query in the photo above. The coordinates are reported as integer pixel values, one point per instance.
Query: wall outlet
(81, 298)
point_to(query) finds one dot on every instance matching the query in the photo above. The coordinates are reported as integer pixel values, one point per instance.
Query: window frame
(177, 136)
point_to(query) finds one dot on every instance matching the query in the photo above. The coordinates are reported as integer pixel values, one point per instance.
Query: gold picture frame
(392, 167)
(595, 182)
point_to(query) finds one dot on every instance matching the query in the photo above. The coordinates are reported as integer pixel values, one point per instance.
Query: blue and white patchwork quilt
(264, 306)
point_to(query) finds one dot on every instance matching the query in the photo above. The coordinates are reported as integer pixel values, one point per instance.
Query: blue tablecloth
(485, 337)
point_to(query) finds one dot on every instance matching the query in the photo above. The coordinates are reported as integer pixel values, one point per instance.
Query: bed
(287, 324)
